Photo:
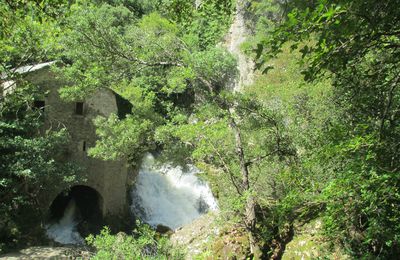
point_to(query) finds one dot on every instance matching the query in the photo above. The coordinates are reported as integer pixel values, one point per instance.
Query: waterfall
(170, 196)
(65, 230)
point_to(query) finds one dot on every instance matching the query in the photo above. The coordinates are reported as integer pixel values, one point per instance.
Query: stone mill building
(103, 184)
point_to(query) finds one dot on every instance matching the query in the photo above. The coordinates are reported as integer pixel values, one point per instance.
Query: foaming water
(65, 230)
(169, 195)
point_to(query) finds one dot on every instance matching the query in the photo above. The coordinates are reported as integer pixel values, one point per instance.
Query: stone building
(104, 183)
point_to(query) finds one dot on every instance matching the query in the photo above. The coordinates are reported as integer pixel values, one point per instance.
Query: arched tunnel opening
(82, 205)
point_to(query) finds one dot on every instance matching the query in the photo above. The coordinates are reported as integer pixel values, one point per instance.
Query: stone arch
(89, 207)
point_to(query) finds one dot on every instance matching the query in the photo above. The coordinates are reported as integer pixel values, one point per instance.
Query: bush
(144, 243)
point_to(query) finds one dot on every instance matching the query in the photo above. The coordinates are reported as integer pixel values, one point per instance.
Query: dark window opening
(39, 104)
(84, 146)
(79, 108)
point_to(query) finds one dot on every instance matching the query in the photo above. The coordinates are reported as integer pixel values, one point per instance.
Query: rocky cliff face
(237, 34)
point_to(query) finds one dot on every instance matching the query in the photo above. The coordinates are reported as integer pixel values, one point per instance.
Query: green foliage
(207, 23)
(144, 243)
(328, 145)
(207, 138)
(353, 43)
(147, 62)
(29, 168)
(29, 162)
(211, 21)
(131, 136)
(28, 31)
(138, 7)
(288, 188)
(361, 201)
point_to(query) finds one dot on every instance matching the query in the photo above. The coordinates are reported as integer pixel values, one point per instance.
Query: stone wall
(110, 178)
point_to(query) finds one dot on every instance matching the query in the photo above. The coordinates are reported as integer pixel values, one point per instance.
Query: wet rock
(202, 206)
(163, 229)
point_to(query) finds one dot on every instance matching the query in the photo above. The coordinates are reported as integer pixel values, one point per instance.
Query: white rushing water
(65, 230)
(169, 195)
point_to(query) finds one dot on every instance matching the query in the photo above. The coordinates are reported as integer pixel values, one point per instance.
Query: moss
(233, 243)
(308, 243)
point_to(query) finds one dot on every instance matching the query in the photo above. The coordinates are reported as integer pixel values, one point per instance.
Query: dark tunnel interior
(88, 208)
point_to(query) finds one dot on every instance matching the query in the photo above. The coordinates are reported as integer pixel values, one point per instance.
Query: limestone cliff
(236, 36)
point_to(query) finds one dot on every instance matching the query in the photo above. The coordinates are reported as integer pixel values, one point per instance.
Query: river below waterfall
(170, 196)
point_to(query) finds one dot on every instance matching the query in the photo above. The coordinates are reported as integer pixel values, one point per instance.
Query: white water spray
(169, 195)
(65, 230)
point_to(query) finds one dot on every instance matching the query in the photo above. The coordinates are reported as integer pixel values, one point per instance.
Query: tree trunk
(250, 217)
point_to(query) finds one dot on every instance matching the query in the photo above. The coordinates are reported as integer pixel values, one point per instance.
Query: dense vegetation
(29, 165)
(143, 243)
(354, 45)
(29, 168)
(316, 135)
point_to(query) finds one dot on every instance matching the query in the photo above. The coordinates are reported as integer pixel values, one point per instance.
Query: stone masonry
(111, 179)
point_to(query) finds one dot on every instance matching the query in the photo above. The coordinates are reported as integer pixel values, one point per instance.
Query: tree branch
(226, 169)
(259, 158)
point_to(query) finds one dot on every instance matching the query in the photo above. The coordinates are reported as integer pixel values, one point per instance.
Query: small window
(84, 146)
(79, 108)
(39, 104)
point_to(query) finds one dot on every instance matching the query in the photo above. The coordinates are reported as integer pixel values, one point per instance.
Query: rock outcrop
(42, 252)
(195, 236)
(236, 36)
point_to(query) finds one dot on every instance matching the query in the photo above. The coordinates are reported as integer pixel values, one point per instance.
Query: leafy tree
(176, 86)
(290, 188)
(123, 53)
(234, 137)
(137, 7)
(28, 31)
(146, 61)
(143, 244)
(29, 166)
(30, 162)
(354, 44)
(206, 20)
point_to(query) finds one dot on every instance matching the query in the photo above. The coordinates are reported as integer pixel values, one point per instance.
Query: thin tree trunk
(250, 218)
